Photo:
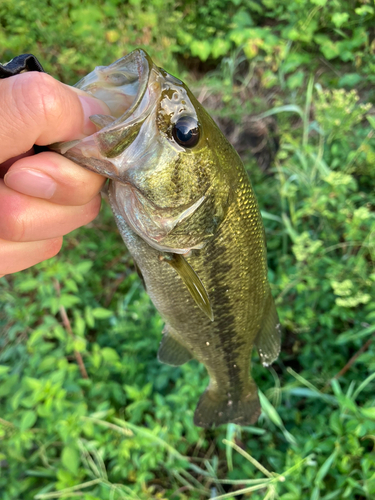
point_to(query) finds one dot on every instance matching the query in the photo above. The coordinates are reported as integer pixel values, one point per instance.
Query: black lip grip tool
(24, 62)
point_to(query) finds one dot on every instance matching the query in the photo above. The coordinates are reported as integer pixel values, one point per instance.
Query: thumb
(37, 109)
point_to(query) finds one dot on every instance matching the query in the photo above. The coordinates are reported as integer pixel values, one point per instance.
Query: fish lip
(137, 69)
(138, 58)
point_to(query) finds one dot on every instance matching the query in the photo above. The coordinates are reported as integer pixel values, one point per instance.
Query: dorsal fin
(192, 282)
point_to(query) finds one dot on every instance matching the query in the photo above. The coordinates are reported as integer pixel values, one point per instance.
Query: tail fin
(213, 410)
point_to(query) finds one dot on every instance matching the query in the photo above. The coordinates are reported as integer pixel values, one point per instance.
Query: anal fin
(268, 340)
(171, 352)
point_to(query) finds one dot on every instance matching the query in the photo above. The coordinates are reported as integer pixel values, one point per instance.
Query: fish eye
(186, 132)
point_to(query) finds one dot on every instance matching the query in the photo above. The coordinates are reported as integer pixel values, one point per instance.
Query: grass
(122, 426)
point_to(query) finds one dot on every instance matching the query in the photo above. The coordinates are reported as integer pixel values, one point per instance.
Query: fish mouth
(130, 89)
(122, 85)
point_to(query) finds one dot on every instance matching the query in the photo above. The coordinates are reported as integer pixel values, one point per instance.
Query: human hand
(43, 196)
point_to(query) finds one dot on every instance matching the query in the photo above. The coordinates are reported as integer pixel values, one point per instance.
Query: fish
(187, 212)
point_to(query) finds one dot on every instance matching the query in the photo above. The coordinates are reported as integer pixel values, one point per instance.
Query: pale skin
(42, 196)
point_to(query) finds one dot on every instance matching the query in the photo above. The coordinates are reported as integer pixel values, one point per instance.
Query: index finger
(37, 109)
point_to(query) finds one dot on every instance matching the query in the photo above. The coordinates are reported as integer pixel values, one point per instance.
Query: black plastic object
(24, 62)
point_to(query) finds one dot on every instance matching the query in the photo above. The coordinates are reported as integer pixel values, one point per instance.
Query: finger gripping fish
(187, 213)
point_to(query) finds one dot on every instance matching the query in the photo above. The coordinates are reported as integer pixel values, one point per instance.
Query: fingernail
(91, 106)
(32, 183)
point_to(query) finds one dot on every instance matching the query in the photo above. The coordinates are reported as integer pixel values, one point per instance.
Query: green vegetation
(86, 411)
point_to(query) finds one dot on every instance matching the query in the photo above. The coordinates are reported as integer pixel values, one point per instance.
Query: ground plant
(86, 410)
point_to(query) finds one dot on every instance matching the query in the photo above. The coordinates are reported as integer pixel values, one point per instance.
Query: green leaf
(350, 80)
(201, 49)
(371, 120)
(220, 48)
(79, 344)
(28, 285)
(329, 48)
(71, 285)
(110, 355)
(89, 318)
(364, 9)
(325, 468)
(70, 459)
(84, 267)
(68, 300)
(79, 325)
(368, 412)
(4, 369)
(9, 384)
(295, 80)
(335, 423)
(339, 18)
(101, 313)
(28, 420)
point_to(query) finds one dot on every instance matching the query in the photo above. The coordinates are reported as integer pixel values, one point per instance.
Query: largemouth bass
(187, 213)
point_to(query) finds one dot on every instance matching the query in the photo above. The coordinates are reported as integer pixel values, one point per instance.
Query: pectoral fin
(172, 352)
(192, 282)
(268, 339)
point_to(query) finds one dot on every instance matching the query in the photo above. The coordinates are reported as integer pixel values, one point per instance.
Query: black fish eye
(186, 132)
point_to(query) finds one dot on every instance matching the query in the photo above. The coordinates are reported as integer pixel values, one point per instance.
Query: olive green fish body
(188, 215)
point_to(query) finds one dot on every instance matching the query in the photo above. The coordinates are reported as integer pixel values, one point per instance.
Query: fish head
(171, 169)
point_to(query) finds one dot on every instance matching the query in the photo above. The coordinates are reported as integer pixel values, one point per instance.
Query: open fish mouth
(121, 85)
(130, 90)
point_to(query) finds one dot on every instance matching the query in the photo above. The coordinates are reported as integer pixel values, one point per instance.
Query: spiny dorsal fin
(192, 282)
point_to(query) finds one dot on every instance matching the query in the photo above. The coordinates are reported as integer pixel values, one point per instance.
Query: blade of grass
(312, 387)
(272, 414)
(360, 388)
(146, 433)
(306, 114)
(194, 481)
(343, 338)
(242, 491)
(308, 393)
(231, 432)
(72, 489)
(267, 215)
(109, 425)
(290, 108)
(212, 470)
(251, 459)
